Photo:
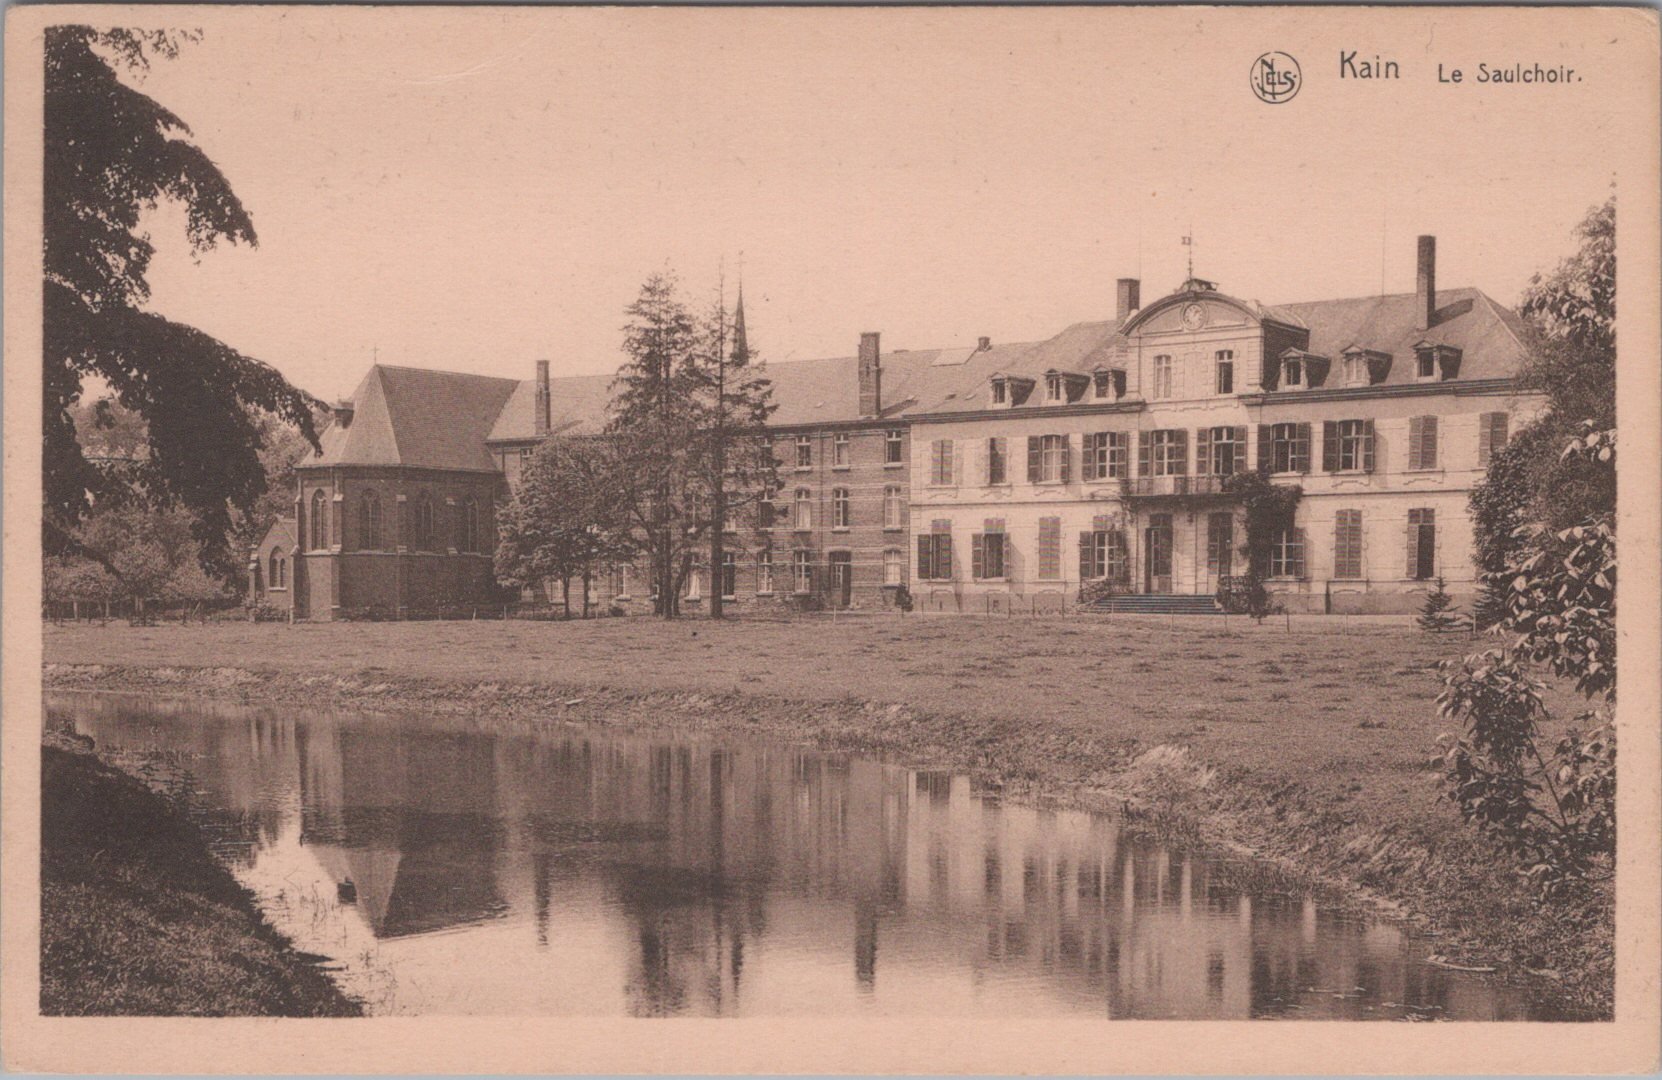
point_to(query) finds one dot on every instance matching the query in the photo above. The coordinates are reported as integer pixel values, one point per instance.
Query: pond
(449, 866)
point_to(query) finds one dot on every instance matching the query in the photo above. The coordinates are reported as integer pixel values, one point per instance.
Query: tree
(1571, 360)
(562, 521)
(113, 153)
(1437, 613)
(1268, 508)
(1554, 807)
(732, 444)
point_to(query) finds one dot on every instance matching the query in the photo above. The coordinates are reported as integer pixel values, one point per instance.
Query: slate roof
(443, 419)
(1489, 337)
(416, 417)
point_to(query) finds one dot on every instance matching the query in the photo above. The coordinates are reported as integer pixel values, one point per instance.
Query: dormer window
(1365, 367)
(1356, 369)
(1292, 372)
(1435, 362)
(1108, 384)
(1001, 392)
(1425, 363)
(1054, 387)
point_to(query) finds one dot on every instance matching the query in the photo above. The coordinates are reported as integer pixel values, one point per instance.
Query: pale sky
(475, 190)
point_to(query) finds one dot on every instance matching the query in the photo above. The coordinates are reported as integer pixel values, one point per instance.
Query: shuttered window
(1422, 442)
(1347, 544)
(1220, 451)
(940, 462)
(987, 556)
(1093, 462)
(1286, 447)
(935, 552)
(1422, 544)
(1164, 453)
(1050, 548)
(1347, 446)
(1491, 436)
(998, 460)
(1047, 459)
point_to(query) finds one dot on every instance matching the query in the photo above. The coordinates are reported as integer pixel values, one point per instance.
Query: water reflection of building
(603, 872)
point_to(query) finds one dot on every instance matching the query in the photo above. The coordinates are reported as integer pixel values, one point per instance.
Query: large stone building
(986, 478)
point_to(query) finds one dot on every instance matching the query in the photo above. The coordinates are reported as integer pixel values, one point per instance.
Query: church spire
(741, 346)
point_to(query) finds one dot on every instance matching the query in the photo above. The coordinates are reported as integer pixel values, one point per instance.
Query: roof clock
(1194, 317)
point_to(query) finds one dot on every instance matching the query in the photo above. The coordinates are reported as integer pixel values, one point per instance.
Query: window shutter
(1067, 457)
(926, 557)
(978, 545)
(1416, 443)
(1033, 459)
(1428, 456)
(1330, 446)
(1497, 434)
(1266, 446)
(1085, 556)
(1413, 537)
(1298, 563)
(955, 462)
(1142, 453)
(943, 556)
(1182, 437)
(1341, 544)
(1485, 438)
(1301, 449)
(1240, 448)
(1367, 446)
(1203, 451)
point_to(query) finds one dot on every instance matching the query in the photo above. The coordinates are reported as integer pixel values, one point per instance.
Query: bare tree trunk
(586, 576)
(565, 592)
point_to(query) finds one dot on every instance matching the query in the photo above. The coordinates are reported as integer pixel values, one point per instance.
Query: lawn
(1280, 705)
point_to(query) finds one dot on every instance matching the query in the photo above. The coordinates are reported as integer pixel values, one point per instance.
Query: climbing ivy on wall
(1267, 508)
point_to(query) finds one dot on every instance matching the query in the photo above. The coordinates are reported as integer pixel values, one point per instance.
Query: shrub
(266, 613)
(903, 599)
(1168, 779)
(1554, 810)
(1437, 613)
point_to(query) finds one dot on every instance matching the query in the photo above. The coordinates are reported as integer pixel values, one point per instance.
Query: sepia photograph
(872, 523)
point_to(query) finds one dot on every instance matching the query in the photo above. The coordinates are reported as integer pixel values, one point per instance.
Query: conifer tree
(1437, 613)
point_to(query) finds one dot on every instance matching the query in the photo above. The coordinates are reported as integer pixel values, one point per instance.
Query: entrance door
(842, 579)
(1157, 558)
(1220, 545)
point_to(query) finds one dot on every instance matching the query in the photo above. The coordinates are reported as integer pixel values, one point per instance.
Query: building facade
(988, 478)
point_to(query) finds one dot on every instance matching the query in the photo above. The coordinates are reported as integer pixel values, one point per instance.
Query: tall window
(1422, 442)
(1162, 376)
(620, 581)
(802, 571)
(1226, 371)
(1221, 451)
(273, 577)
(1094, 465)
(470, 524)
(987, 555)
(894, 567)
(1103, 554)
(839, 450)
(320, 521)
(997, 460)
(1168, 453)
(1220, 542)
(1287, 553)
(1347, 544)
(1422, 544)
(1347, 445)
(765, 508)
(804, 509)
(840, 516)
(369, 522)
(1491, 437)
(283, 573)
(894, 507)
(940, 462)
(1051, 464)
(1050, 548)
(764, 572)
(424, 523)
(892, 446)
(1288, 447)
(935, 553)
(729, 575)
(804, 451)
(695, 584)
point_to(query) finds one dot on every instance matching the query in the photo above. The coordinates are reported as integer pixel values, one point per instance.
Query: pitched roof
(415, 417)
(1488, 336)
(577, 406)
(913, 381)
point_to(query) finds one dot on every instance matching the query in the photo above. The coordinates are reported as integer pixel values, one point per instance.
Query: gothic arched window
(320, 521)
(369, 522)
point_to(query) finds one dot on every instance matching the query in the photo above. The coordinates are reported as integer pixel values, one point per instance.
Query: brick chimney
(544, 400)
(871, 375)
(1425, 284)
(1127, 298)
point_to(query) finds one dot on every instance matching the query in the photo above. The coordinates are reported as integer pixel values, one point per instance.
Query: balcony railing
(1172, 487)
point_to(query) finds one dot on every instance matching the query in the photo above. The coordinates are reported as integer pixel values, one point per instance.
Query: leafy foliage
(562, 521)
(111, 155)
(1267, 508)
(1554, 810)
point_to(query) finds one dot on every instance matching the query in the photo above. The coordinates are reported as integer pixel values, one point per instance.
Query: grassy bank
(1321, 737)
(137, 919)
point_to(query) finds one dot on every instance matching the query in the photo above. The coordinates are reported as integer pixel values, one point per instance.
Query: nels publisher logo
(1276, 77)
